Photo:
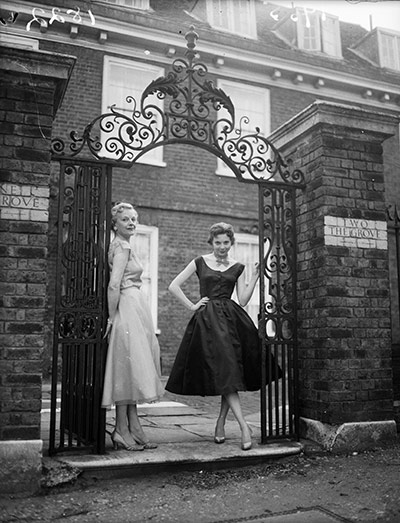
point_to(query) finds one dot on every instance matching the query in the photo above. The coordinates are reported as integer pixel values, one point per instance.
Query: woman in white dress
(132, 373)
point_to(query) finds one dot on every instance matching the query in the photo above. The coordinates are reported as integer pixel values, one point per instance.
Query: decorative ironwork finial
(191, 38)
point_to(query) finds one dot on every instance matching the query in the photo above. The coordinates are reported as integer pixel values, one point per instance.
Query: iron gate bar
(394, 224)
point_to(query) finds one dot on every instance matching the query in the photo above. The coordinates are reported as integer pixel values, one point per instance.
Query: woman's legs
(121, 420)
(134, 423)
(121, 436)
(136, 429)
(233, 402)
(219, 436)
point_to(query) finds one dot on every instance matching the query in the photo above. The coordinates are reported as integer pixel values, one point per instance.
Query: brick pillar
(345, 360)
(31, 89)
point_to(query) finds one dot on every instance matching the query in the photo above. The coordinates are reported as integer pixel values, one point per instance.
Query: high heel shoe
(219, 439)
(118, 441)
(246, 444)
(147, 445)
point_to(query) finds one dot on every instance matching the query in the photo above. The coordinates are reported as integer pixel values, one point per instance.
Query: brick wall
(26, 113)
(24, 158)
(343, 299)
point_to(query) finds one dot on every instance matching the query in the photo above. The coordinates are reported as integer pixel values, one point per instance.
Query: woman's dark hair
(221, 228)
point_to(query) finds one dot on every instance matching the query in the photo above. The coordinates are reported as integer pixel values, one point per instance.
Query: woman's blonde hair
(118, 208)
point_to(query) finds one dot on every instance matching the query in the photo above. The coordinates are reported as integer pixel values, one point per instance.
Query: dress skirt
(219, 353)
(132, 373)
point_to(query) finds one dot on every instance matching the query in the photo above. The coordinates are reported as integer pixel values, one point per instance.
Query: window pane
(310, 34)
(136, 4)
(390, 51)
(242, 17)
(218, 13)
(245, 250)
(145, 245)
(235, 16)
(330, 35)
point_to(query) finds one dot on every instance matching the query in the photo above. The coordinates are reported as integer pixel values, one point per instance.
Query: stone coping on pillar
(330, 113)
(349, 437)
(42, 65)
(20, 466)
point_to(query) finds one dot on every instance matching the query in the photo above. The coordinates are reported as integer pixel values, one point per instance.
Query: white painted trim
(19, 42)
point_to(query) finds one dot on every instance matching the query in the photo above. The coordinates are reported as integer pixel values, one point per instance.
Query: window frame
(383, 62)
(155, 156)
(230, 27)
(322, 34)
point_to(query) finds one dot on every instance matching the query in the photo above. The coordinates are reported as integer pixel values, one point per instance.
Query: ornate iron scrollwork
(192, 105)
(279, 264)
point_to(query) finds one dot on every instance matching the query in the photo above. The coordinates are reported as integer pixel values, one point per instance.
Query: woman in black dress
(220, 350)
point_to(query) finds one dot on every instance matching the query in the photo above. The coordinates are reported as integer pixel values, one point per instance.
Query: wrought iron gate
(78, 347)
(278, 318)
(190, 117)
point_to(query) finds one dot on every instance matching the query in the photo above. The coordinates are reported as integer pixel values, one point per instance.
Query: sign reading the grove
(23, 202)
(355, 232)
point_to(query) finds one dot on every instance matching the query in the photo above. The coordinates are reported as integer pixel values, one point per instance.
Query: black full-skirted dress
(220, 351)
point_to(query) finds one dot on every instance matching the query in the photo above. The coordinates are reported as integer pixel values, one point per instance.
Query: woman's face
(126, 223)
(221, 245)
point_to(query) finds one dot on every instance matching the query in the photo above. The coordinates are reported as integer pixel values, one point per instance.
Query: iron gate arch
(116, 139)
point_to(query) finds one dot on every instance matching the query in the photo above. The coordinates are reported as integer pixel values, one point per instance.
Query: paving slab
(185, 438)
(172, 455)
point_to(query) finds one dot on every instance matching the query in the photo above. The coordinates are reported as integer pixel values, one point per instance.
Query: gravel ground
(361, 487)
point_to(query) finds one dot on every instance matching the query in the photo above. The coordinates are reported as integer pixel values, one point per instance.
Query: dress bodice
(132, 276)
(217, 284)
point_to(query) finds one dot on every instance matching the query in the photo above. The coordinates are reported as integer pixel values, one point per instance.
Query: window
(318, 31)
(124, 78)
(245, 250)
(389, 50)
(250, 101)
(136, 4)
(145, 244)
(234, 16)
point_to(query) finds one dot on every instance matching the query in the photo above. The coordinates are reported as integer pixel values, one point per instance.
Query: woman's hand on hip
(200, 303)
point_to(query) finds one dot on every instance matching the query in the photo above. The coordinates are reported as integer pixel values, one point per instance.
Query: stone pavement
(306, 485)
(183, 428)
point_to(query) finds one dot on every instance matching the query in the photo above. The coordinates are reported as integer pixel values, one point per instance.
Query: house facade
(273, 62)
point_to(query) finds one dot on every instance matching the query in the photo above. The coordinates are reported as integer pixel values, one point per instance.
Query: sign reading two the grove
(355, 232)
(23, 202)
